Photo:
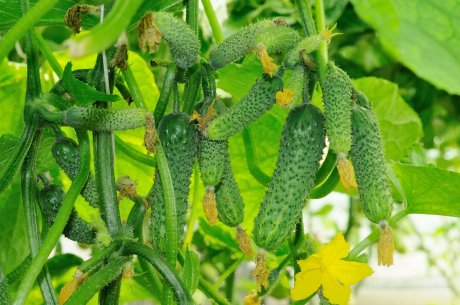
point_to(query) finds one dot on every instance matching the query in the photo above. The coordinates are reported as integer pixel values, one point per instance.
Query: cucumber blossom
(254, 104)
(301, 149)
(184, 45)
(369, 163)
(230, 205)
(337, 99)
(67, 155)
(177, 136)
(104, 119)
(50, 199)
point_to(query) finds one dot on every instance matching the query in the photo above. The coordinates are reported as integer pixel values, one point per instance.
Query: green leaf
(191, 271)
(10, 12)
(400, 126)
(81, 93)
(429, 190)
(423, 34)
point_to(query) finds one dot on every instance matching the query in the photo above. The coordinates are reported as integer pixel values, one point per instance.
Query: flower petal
(311, 263)
(306, 283)
(349, 272)
(335, 250)
(335, 292)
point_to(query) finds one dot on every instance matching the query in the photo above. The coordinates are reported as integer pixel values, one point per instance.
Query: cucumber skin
(184, 45)
(51, 198)
(337, 99)
(230, 204)
(177, 136)
(67, 155)
(212, 155)
(5, 298)
(254, 104)
(369, 164)
(105, 120)
(237, 45)
(278, 39)
(301, 149)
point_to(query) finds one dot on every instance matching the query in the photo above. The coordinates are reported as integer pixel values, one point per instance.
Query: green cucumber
(230, 205)
(305, 46)
(105, 120)
(67, 155)
(177, 136)
(369, 163)
(337, 99)
(361, 99)
(254, 104)
(50, 199)
(278, 38)
(5, 298)
(300, 153)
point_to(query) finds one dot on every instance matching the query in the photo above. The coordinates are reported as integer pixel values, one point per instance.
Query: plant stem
(24, 24)
(251, 159)
(100, 256)
(195, 209)
(134, 88)
(306, 18)
(229, 271)
(322, 55)
(168, 273)
(60, 222)
(191, 17)
(191, 91)
(215, 26)
(133, 153)
(48, 54)
(208, 289)
(166, 90)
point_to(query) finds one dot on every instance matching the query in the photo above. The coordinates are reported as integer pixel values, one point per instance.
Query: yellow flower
(326, 269)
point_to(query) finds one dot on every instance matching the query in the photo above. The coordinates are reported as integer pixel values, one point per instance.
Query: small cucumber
(301, 149)
(275, 36)
(230, 205)
(369, 163)
(337, 99)
(254, 104)
(50, 199)
(104, 119)
(306, 46)
(177, 136)
(5, 298)
(67, 155)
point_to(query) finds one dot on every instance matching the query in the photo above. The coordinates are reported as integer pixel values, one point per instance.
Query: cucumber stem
(48, 54)
(60, 222)
(133, 87)
(215, 26)
(133, 153)
(168, 83)
(306, 18)
(322, 54)
(230, 270)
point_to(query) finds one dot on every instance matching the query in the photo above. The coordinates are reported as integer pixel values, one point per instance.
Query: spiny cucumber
(184, 45)
(301, 149)
(254, 104)
(104, 119)
(67, 155)
(369, 163)
(177, 137)
(305, 46)
(5, 298)
(275, 36)
(51, 198)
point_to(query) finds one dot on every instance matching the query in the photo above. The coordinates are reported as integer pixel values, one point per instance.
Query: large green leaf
(423, 34)
(400, 126)
(429, 190)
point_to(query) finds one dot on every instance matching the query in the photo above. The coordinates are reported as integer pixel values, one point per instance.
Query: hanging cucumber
(51, 198)
(306, 46)
(177, 136)
(301, 149)
(374, 189)
(184, 45)
(254, 104)
(67, 155)
(337, 99)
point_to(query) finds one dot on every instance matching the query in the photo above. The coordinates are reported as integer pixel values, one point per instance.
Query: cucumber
(5, 298)
(184, 45)
(254, 104)
(230, 205)
(105, 120)
(67, 155)
(177, 136)
(301, 149)
(361, 99)
(296, 81)
(50, 199)
(337, 99)
(276, 37)
(369, 163)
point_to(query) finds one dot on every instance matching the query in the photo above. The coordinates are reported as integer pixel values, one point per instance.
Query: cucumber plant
(199, 105)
